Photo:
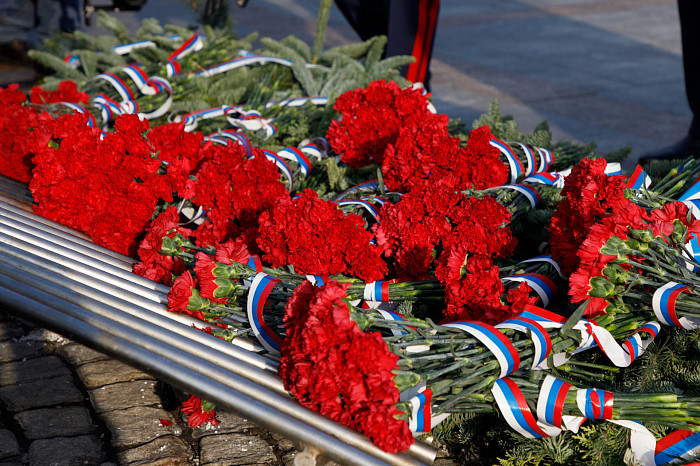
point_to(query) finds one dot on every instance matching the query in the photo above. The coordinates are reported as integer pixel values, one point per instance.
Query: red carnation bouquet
(316, 237)
(371, 118)
(461, 237)
(392, 377)
(590, 195)
(633, 257)
(424, 153)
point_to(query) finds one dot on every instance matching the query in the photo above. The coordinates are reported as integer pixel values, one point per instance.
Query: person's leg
(412, 25)
(367, 17)
(689, 13)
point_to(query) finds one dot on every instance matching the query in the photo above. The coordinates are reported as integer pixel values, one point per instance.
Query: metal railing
(56, 278)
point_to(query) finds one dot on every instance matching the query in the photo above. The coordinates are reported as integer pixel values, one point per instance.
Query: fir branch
(324, 12)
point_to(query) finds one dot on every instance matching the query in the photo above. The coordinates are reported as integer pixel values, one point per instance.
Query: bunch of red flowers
(23, 131)
(424, 153)
(316, 237)
(155, 265)
(235, 190)
(371, 119)
(106, 187)
(611, 255)
(590, 195)
(333, 367)
(461, 236)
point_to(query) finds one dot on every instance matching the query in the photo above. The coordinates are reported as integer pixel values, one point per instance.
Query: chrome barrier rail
(56, 278)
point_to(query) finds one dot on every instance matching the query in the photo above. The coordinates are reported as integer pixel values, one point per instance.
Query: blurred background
(603, 71)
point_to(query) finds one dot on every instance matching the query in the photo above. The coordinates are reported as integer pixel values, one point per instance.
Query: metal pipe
(76, 255)
(118, 310)
(27, 209)
(44, 224)
(251, 407)
(202, 377)
(114, 276)
(78, 282)
(31, 231)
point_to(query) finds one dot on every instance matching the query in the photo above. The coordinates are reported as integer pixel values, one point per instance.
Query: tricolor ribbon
(613, 168)
(362, 203)
(297, 156)
(240, 138)
(692, 253)
(530, 193)
(516, 168)
(250, 120)
(281, 164)
(377, 291)
(550, 406)
(664, 304)
(312, 150)
(123, 49)
(546, 159)
(515, 410)
(193, 44)
(677, 446)
(541, 284)
(595, 403)
(639, 179)
(622, 355)
(529, 158)
(260, 289)
(317, 280)
(538, 335)
(495, 341)
(119, 85)
(548, 259)
(692, 193)
(368, 186)
(546, 178)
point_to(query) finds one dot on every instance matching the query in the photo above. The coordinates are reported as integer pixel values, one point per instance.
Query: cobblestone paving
(62, 403)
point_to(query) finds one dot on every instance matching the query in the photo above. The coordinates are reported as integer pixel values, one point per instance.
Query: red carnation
(317, 238)
(371, 119)
(333, 367)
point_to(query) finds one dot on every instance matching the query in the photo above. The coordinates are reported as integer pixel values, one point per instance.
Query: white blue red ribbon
(692, 193)
(281, 164)
(516, 168)
(692, 253)
(240, 138)
(639, 179)
(548, 259)
(546, 178)
(546, 159)
(541, 284)
(359, 202)
(515, 410)
(260, 289)
(550, 407)
(540, 338)
(504, 351)
(193, 44)
(664, 304)
(296, 155)
(530, 166)
(368, 186)
(595, 403)
(677, 446)
(317, 280)
(118, 84)
(377, 291)
(613, 168)
(530, 193)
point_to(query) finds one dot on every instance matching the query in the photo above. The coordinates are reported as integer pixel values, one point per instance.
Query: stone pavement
(63, 404)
